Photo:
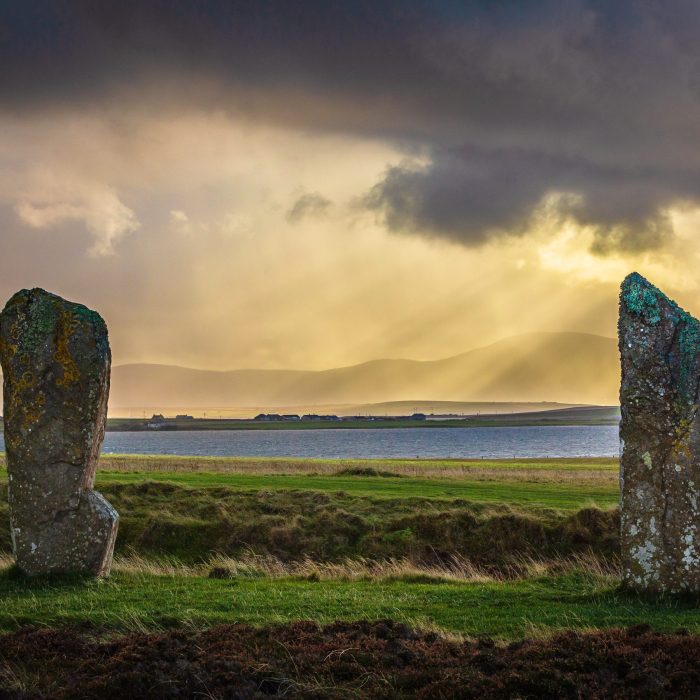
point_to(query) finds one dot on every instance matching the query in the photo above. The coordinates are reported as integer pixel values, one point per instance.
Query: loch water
(361, 443)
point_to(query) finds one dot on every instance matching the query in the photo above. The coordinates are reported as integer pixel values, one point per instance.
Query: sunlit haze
(324, 204)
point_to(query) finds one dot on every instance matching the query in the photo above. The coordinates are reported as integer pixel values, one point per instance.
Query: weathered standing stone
(56, 361)
(660, 441)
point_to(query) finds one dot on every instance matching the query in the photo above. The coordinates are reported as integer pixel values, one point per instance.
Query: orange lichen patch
(681, 444)
(34, 411)
(67, 323)
(26, 381)
(7, 350)
(30, 410)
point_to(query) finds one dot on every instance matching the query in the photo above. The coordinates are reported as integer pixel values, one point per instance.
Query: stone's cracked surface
(56, 360)
(660, 440)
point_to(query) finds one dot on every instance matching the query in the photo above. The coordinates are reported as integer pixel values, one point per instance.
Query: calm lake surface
(499, 442)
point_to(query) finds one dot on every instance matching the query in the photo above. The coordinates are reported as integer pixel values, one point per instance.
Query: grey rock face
(56, 362)
(660, 440)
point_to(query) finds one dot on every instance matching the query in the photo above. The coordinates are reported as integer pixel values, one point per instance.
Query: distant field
(413, 467)
(602, 470)
(579, 415)
(386, 408)
(544, 483)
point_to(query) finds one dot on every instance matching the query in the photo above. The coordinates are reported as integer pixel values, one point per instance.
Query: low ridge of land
(577, 415)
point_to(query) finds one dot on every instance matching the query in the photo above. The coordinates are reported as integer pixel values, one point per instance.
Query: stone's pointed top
(38, 292)
(636, 281)
(34, 291)
(635, 277)
(641, 298)
(38, 300)
(17, 297)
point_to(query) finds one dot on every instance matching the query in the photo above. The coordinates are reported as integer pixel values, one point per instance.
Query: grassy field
(536, 494)
(502, 548)
(507, 610)
(295, 465)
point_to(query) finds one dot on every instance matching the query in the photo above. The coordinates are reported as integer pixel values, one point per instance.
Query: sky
(316, 184)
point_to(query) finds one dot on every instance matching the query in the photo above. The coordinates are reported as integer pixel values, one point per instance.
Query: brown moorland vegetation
(383, 659)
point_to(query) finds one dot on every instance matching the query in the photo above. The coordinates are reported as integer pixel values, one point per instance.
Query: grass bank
(503, 610)
(159, 517)
(331, 510)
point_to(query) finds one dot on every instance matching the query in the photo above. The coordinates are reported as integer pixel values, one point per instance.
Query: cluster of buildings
(276, 417)
(158, 420)
(293, 417)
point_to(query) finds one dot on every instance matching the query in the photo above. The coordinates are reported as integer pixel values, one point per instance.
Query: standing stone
(660, 441)
(56, 361)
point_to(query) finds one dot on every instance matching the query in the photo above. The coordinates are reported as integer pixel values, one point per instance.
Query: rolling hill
(571, 368)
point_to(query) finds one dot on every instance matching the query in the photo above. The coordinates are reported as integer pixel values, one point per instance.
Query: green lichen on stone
(641, 298)
(689, 347)
(32, 330)
(92, 318)
(88, 315)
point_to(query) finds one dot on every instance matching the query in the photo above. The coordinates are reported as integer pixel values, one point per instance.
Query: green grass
(539, 495)
(507, 610)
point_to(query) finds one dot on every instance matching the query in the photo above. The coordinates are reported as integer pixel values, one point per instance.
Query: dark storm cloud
(509, 101)
(470, 194)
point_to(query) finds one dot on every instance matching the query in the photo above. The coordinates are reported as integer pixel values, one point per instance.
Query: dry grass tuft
(457, 569)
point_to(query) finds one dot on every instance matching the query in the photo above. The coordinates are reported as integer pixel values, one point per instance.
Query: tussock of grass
(368, 471)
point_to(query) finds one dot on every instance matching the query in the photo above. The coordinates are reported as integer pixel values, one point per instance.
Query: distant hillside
(467, 408)
(570, 368)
